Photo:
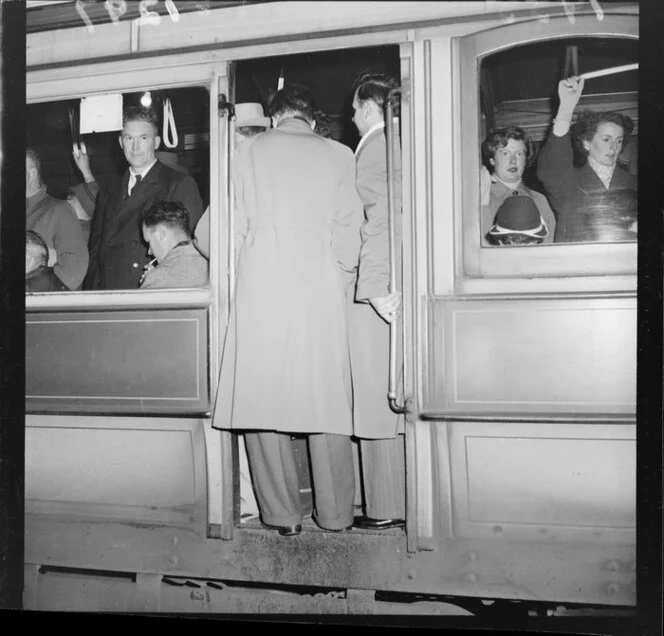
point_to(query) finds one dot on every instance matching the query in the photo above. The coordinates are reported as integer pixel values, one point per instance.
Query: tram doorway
(330, 76)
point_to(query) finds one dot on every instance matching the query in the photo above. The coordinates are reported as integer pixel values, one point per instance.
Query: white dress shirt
(133, 174)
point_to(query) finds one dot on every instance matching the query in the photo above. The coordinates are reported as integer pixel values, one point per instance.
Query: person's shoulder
(374, 147)
(339, 149)
(61, 208)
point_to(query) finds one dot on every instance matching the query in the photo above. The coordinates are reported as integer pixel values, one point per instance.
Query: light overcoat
(369, 333)
(286, 364)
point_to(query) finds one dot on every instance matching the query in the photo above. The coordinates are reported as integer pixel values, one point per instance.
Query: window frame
(551, 260)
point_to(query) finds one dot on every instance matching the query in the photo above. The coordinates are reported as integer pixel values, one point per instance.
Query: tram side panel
(538, 446)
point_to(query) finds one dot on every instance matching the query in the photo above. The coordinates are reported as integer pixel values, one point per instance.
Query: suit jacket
(57, 224)
(499, 192)
(369, 333)
(117, 250)
(577, 193)
(183, 266)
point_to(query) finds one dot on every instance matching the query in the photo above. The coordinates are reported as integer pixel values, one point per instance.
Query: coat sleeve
(94, 241)
(187, 192)
(70, 247)
(202, 234)
(346, 227)
(555, 169)
(238, 172)
(374, 268)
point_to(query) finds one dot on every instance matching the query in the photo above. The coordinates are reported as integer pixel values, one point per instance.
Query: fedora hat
(518, 215)
(250, 114)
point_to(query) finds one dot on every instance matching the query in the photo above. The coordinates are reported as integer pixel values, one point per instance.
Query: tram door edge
(221, 448)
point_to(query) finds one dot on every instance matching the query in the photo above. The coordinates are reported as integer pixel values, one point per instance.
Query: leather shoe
(346, 529)
(366, 523)
(286, 531)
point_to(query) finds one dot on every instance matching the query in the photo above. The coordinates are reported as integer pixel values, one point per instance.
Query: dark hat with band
(519, 215)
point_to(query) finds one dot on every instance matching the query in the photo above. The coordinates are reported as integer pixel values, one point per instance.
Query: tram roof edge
(231, 25)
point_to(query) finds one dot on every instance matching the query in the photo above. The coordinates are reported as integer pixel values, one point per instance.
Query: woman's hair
(499, 138)
(323, 124)
(588, 121)
(377, 88)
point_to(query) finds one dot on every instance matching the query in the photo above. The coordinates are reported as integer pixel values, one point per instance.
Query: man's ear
(585, 144)
(157, 141)
(313, 124)
(120, 141)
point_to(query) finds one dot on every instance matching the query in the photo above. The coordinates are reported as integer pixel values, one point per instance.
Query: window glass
(64, 194)
(575, 182)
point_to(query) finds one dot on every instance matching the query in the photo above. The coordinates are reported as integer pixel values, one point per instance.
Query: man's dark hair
(295, 99)
(170, 213)
(36, 248)
(36, 160)
(377, 88)
(138, 113)
(499, 138)
(588, 121)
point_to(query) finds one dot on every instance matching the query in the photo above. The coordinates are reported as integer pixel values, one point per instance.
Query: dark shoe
(286, 531)
(377, 524)
(346, 529)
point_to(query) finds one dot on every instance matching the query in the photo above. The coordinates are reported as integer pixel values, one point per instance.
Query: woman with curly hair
(596, 201)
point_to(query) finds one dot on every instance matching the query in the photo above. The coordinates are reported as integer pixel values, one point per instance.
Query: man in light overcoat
(286, 365)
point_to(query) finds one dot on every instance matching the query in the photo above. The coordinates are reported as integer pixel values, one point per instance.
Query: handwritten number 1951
(117, 8)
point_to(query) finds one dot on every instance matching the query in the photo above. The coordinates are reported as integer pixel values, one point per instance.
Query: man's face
(360, 116)
(139, 141)
(30, 177)
(509, 162)
(154, 237)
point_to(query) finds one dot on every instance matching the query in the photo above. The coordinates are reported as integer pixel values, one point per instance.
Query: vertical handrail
(230, 195)
(227, 110)
(391, 223)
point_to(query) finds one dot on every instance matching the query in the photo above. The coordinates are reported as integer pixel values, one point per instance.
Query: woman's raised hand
(569, 91)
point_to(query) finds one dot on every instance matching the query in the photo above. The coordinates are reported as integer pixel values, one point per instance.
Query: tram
(519, 362)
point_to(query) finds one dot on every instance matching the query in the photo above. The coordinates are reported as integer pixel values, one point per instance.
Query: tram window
(578, 181)
(183, 147)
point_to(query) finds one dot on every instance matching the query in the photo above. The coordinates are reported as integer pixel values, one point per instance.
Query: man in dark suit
(117, 251)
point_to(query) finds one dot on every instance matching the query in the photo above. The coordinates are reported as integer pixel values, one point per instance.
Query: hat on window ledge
(518, 215)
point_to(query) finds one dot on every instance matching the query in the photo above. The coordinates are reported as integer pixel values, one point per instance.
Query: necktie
(138, 180)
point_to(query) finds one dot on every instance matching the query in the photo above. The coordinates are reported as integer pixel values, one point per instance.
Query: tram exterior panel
(521, 428)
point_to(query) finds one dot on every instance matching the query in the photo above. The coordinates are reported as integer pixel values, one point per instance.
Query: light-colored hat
(250, 114)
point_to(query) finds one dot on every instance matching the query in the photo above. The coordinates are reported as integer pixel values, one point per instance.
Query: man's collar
(373, 129)
(143, 171)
